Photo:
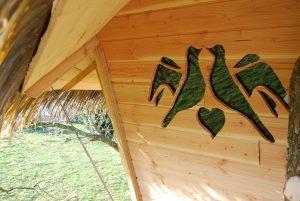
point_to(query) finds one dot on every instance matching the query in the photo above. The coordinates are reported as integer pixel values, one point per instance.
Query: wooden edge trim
(79, 77)
(150, 7)
(110, 99)
(49, 78)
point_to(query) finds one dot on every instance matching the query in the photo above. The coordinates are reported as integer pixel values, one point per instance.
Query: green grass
(61, 166)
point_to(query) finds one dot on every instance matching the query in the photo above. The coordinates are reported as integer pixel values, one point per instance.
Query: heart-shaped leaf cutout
(213, 120)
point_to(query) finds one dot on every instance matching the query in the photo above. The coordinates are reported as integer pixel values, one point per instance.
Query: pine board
(284, 43)
(138, 94)
(186, 121)
(90, 82)
(181, 169)
(72, 24)
(205, 18)
(195, 143)
(137, 6)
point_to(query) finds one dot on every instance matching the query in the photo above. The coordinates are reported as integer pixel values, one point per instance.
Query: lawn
(55, 167)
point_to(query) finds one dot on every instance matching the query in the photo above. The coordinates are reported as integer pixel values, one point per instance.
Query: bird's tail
(263, 130)
(169, 117)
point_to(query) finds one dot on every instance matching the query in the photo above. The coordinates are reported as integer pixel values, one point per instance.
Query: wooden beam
(79, 77)
(90, 82)
(138, 6)
(105, 81)
(42, 84)
(73, 23)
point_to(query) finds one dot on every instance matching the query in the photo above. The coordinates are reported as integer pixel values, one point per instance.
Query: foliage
(99, 122)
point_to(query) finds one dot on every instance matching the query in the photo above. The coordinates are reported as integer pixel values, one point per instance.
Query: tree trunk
(293, 155)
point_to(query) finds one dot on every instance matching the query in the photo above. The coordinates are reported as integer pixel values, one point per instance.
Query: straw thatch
(26, 111)
(22, 23)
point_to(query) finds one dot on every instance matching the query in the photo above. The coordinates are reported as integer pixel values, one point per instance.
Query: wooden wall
(182, 161)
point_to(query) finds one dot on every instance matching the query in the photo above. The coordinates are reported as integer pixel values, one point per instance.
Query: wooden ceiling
(67, 44)
(63, 60)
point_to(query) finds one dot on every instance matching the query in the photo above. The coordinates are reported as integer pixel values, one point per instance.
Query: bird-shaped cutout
(193, 88)
(270, 102)
(164, 76)
(249, 58)
(261, 74)
(228, 92)
(158, 97)
(223, 86)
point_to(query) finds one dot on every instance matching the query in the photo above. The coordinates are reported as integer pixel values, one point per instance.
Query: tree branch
(19, 188)
(93, 137)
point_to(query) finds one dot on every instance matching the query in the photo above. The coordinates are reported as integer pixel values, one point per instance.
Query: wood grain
(236, 126)
(111, 103)
(54, 74)
(182, 162)
(157, 191)
(171, 166)
(79, 77)
(72, 24)
(138, 94)
(73, 72)
(157, 154)
(89, 82)
(283, 44)
(195, 143)
(165, 183)
(137, 6)
(203, 18)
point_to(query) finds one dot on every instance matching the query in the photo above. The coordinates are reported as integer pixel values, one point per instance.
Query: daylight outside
(45, 160)
(149, 100)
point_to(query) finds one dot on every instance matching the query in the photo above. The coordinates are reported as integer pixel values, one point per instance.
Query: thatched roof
(25, 111)
(22, 23)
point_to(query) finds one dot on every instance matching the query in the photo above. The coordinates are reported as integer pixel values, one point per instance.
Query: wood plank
(72, 24)
(205, 18)
(177, 185)
(143, 72)
(273, 155)
(138, 94)
(104, 77)
(53, 75)
(137, 6)
(157, 191)
(79, 77)
(89, 82)
(236, 125)
(187, 169)
(75, 70)
(225, 148)
(164, 157)
(284, 43)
